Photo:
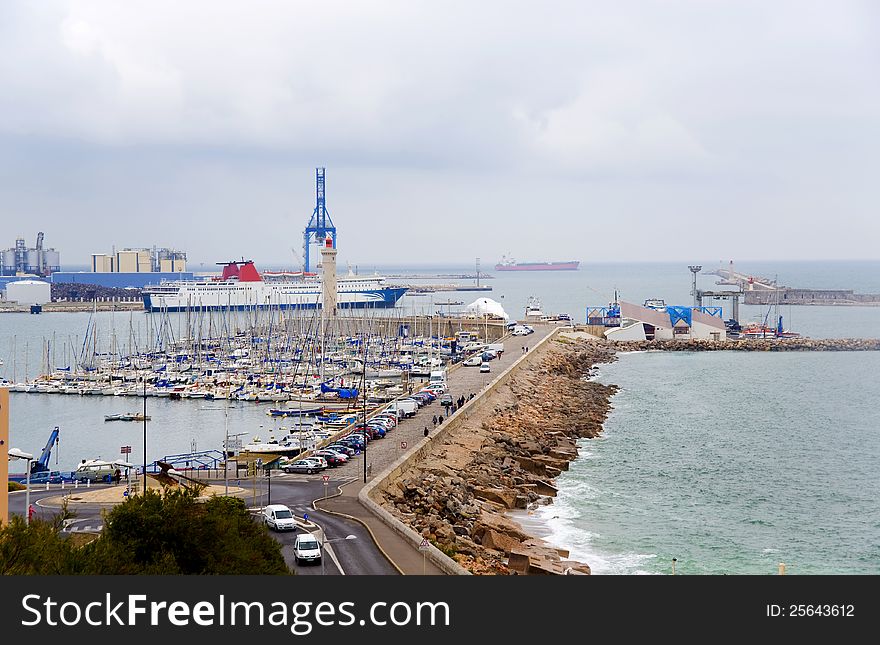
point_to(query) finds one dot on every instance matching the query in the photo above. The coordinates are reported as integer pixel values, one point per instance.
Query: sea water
(729, 462)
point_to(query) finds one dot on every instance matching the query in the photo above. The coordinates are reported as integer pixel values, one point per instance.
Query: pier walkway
(382, 453)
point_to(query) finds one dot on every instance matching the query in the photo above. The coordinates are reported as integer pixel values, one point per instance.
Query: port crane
(42, 464)
(320, 226)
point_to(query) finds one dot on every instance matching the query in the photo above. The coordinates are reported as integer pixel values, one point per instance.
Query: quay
(759, 290)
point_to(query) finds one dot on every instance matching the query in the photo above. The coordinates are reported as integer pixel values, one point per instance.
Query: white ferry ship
(241, 287)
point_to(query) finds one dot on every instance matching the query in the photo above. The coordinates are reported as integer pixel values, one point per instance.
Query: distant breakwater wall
(752, 345)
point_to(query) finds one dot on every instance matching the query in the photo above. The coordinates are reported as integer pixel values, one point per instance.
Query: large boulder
(503, 496)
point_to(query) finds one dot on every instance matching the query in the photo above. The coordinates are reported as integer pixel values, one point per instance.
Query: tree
(170, 533)
(36, 549)
(175, 534)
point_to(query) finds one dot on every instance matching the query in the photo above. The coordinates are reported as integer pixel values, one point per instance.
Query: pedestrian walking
(426, 431)
(440, 420)
(434, 420)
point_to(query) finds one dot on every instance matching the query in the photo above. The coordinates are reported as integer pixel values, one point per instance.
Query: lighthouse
(328, 307)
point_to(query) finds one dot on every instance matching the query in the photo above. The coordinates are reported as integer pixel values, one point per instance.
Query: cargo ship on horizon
(509, 264)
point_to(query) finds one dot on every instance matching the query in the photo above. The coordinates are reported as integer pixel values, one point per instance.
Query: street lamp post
(15, 453)
(323, 542)
(145, 435)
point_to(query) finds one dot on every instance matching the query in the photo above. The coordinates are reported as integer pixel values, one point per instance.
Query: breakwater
(505, 456)
(752, 345)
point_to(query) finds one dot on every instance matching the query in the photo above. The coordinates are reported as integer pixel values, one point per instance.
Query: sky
(553, 130)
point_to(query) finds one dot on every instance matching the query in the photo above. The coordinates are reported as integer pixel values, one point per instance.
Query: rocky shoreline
(752, 345)
(507, 458)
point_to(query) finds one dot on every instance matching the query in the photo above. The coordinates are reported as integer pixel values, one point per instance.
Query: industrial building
(36, 260)
(29, 292)
(153, 260)
(130, 269)
(119, 280)
(628, 321)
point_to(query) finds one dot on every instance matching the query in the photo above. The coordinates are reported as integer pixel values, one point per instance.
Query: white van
(94, 470)
(405, 407)
(279, 517)
(306, 548)
(438, 377)
(408, 406)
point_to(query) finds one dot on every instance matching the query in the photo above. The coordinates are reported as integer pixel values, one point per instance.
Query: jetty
(760, 290)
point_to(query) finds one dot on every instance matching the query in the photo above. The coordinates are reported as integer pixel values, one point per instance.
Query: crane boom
(42, 464)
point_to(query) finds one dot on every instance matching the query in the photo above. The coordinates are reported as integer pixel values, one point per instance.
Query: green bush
(16, 486)
(150, 534)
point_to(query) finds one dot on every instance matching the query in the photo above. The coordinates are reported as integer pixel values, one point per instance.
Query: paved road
(355, 557)
(90, 514)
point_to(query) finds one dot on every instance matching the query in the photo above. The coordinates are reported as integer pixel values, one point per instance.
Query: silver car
(302, 466)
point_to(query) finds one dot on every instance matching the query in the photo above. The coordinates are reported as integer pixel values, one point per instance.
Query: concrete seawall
(419, 452)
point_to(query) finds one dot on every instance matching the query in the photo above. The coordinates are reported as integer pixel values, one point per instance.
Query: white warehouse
(29, 292)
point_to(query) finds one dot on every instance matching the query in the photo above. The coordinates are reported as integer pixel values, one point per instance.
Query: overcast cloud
(450, 130)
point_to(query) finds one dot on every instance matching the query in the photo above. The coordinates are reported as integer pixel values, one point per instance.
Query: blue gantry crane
(320, 226)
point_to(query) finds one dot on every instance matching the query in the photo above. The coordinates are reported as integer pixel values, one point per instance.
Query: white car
(485, 369)
(279, 517)
(306, 548)
(319, 462)
(473, 361)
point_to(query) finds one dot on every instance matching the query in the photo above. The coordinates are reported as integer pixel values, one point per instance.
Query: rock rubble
(506, 459)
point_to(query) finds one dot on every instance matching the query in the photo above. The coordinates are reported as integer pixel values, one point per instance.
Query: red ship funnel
(229, 271)
(248, 273)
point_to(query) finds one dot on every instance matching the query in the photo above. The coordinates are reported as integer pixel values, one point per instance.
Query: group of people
(524, 349)
(453, 406)
(450, 408)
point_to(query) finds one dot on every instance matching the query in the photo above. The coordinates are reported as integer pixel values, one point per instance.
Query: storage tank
(32, 261)
(29, 292)
(52, 259)
(8, 262)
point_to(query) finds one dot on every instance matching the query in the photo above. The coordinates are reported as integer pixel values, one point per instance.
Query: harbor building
(130, 268)
(155, 260)
(629, 321)
(29, 292)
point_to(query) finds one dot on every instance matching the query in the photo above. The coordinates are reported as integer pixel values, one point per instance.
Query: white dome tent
(487, 306)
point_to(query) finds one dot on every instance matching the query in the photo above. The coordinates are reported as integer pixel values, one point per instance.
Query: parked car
(319, 461)
(279, 517)
(346, 450)
(473, 361)
(306, 548)
(485, 369)
(43, 477)
(301, 466)
(373, 432)
(446, 399)
(356, 441)
(488, 355)
(332, 457)
(388, 417)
